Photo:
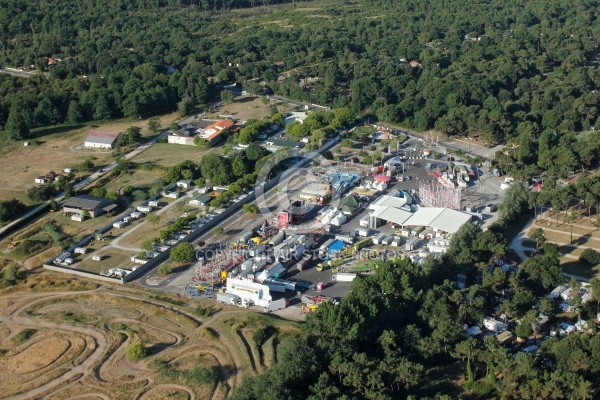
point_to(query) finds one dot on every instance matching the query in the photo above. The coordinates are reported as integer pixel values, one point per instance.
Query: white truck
(254, 251)
(275, 240)
(325, 246)
(343, 277)
(229, 298)
(276, 305)
(378, 239)
(362, 232)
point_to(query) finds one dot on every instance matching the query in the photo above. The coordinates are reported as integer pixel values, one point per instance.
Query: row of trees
(502, 73)
(10, 209)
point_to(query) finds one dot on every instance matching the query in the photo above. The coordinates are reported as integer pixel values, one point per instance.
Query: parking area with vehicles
(308, 278)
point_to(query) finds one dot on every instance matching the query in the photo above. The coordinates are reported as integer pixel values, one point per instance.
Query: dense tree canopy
(515, 71)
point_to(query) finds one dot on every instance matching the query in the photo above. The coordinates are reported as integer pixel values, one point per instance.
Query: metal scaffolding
(434, 195)
(222, 260)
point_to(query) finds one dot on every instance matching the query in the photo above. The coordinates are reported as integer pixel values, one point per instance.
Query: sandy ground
(78, 348)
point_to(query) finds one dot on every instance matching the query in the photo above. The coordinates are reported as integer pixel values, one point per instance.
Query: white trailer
(397, 241)
(411, 244)
(275, 286)
(275, 240)
(343, 277)
(325, 246)
(364, 223)
(378, 239)
(245, 238)
(229, 298)
(386, 241)
(298, 252)
(251, 293)
(276, 305)
(256, 250)
(361, 232)
(309, 243)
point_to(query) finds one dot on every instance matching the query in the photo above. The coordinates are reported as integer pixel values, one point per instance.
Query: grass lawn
(576, 267)
(148, 232)
(74, 228)
(111, 258)
(242, 109)
(165, 154)
(59, 147)
(138, 178)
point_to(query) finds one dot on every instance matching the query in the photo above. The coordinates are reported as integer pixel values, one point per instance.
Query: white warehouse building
(395, 210)
(101, 140)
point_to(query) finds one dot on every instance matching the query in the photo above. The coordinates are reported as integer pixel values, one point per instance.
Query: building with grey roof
(101, 140)
(95, 206)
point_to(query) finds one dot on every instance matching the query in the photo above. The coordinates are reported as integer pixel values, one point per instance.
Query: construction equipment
(332, 263)
(310, 304)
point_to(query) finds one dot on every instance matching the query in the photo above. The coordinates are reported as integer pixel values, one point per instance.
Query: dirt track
(100, 369)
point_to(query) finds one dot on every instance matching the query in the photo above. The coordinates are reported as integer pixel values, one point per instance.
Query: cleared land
(242, 109)
(66, 344)
(59, 147)
(585, 235)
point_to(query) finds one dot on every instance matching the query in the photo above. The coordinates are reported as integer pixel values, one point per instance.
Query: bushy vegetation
(183, 253)
(262, 333)
(196, 376)
(590, 256)
(136, 350)
(202, 311)
(167, 299)
(10, 275)
(41, 193)
(164, 269)
(251, 208)
(23, 335)
(10, 209)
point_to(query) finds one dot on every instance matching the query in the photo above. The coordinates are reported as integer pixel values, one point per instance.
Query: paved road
(86, 181)
(266, 191)
(16, 72)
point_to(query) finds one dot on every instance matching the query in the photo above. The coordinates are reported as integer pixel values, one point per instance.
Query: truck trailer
(276, 305)
(325, 246)
(343, 277)
(229, 298)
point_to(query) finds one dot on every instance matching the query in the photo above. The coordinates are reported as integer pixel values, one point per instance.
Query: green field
(111, 258)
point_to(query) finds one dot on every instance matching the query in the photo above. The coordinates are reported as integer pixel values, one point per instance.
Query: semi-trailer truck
(229, 298)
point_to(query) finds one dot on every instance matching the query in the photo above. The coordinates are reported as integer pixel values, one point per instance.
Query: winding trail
(80, 370)
(226, 350)
(191, 394)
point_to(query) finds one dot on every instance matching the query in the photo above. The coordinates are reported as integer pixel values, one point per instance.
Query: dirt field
(72, 344)
(111, 258)
(242, 109)
(59, 148)
(585, 234)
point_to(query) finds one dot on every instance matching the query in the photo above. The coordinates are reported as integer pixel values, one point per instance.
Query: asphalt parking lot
(480, 193)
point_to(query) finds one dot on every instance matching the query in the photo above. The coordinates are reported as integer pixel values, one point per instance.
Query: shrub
(136, 351)
(139, 195)
(261, 334)
(218, 230)
(165, 269)
(41, 193)
(23, 335)
(590, 256)
(183, 253)
(250, 208)
(203, 311)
